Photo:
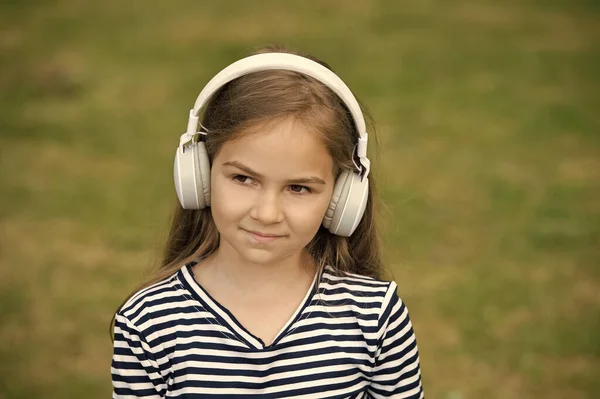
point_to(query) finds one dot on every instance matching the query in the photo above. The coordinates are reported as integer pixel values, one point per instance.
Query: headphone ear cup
(335, 199)
(347, 204)
(203, 173)
(185, 178)
(192, 176)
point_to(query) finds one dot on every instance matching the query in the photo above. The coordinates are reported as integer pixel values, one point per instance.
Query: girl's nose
(268, 208)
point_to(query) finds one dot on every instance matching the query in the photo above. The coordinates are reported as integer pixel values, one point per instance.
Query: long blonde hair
(255, 98)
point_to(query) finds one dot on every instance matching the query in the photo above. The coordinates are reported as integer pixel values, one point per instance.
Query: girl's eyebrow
(246, 169)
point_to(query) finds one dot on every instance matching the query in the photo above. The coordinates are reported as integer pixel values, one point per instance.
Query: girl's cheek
(236, 203)
(308, 211)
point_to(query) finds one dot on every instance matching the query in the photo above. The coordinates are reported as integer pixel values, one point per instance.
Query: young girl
(270, 284)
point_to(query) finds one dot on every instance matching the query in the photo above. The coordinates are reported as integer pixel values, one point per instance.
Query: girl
(270, 284)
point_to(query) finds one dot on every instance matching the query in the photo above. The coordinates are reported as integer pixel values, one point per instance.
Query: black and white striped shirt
(350, 338)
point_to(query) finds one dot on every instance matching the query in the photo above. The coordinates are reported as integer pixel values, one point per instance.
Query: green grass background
(488, 116)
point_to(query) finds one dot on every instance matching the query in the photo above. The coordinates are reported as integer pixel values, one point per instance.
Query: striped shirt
(350, 338)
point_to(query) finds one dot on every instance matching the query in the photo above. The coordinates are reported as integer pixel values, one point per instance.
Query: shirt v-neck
(229, 321)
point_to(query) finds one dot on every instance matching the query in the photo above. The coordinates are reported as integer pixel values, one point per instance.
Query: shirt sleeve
(396, 373)
(135, 370)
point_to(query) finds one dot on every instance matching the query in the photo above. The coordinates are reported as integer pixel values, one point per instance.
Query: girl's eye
(242, 179)
(298, 189)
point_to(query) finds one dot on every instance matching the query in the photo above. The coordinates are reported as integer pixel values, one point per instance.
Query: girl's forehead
(286, 146)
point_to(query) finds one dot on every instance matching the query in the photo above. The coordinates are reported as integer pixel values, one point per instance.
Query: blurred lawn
(488, 116)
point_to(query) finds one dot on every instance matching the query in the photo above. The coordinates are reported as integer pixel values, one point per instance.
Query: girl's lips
(263, 238)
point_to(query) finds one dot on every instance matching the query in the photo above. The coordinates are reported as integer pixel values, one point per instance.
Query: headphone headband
(290, 62)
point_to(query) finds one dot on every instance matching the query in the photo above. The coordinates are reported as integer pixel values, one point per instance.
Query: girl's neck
(246, 277)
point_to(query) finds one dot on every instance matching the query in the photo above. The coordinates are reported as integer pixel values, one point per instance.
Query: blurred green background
(488, 115)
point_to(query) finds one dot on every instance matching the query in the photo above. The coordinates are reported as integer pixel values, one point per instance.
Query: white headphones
(192, 166)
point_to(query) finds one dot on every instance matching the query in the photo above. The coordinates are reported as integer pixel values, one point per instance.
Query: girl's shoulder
(332, 277)
(369, 298)
(150, 298)
(356, 287)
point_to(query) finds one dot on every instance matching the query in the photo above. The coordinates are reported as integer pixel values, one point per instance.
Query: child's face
(270, 191)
